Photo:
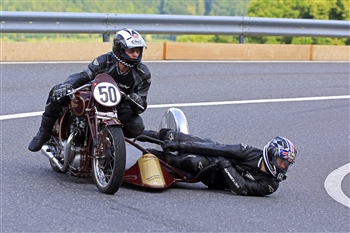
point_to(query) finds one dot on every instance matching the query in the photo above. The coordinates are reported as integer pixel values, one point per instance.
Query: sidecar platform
(149, 171)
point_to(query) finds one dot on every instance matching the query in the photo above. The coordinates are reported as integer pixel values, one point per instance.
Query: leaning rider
(240, 168)
(133, 77)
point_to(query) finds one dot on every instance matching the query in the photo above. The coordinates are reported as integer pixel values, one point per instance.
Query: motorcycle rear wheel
(108, 164)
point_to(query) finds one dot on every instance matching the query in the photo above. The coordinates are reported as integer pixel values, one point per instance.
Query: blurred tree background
(296, 9)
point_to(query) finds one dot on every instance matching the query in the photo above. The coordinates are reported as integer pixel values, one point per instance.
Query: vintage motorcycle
(87, 139)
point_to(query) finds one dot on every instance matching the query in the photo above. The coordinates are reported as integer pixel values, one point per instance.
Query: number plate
(107, 94)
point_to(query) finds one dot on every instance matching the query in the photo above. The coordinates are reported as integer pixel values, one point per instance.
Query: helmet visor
(282, 165)
(287, 155)
(136, 50)
(284, 160)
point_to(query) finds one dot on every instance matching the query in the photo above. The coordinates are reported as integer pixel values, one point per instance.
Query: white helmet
(128, 39)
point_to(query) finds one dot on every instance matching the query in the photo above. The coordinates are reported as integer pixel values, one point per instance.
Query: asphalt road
(36, 199)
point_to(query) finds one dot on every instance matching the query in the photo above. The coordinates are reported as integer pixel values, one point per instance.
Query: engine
(77, 145)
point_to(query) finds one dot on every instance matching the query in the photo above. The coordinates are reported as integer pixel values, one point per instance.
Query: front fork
(97, 120)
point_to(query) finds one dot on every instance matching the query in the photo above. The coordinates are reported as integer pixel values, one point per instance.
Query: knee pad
(133, 127)
(169, 134)
(191, 163)
(162, 134)
(52, 109)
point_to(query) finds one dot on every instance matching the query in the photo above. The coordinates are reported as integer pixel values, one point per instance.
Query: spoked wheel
(108, 163)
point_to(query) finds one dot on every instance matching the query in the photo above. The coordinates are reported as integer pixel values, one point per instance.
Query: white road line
(20, 115)
(318, 98)
(333, 182)
(251, 101)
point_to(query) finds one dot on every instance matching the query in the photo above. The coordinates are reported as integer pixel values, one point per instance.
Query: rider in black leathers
(125, 66)
(241, 168)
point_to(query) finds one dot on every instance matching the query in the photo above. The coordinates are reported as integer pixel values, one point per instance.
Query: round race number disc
(107, 94)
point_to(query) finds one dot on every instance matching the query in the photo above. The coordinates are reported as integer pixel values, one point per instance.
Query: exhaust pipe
(45, 149)
(68, 155)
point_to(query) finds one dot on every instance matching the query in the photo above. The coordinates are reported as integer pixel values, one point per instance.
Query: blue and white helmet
(128, 39)
(279, 154)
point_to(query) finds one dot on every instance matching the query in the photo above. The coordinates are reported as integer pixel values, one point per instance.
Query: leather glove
(61, 91)
(137, 104)
(171, 145)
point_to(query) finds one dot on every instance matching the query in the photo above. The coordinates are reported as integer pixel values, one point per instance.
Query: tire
(108, 164)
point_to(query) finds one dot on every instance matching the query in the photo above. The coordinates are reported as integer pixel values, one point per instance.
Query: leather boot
(150, 133)
(43, 135)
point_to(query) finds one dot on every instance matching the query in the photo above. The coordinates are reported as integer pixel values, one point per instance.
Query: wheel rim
(104, 164)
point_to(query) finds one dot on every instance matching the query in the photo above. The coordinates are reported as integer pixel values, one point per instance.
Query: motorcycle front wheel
(108, 164)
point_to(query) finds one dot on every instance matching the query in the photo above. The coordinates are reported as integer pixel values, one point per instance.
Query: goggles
(133, 50)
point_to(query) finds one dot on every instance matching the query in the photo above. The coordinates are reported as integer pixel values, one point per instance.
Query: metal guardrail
(106, 24)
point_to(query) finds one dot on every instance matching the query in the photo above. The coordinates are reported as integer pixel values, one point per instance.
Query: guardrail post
(241, 39)
(105, 37)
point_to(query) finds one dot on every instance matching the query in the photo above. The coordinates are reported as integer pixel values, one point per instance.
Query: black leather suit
(136, 80)
(238, 165)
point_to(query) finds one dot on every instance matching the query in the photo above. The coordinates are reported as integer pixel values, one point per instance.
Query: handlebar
(130, 99)
(73, 91)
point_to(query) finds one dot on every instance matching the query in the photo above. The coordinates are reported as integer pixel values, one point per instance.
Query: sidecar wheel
(108, 164)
